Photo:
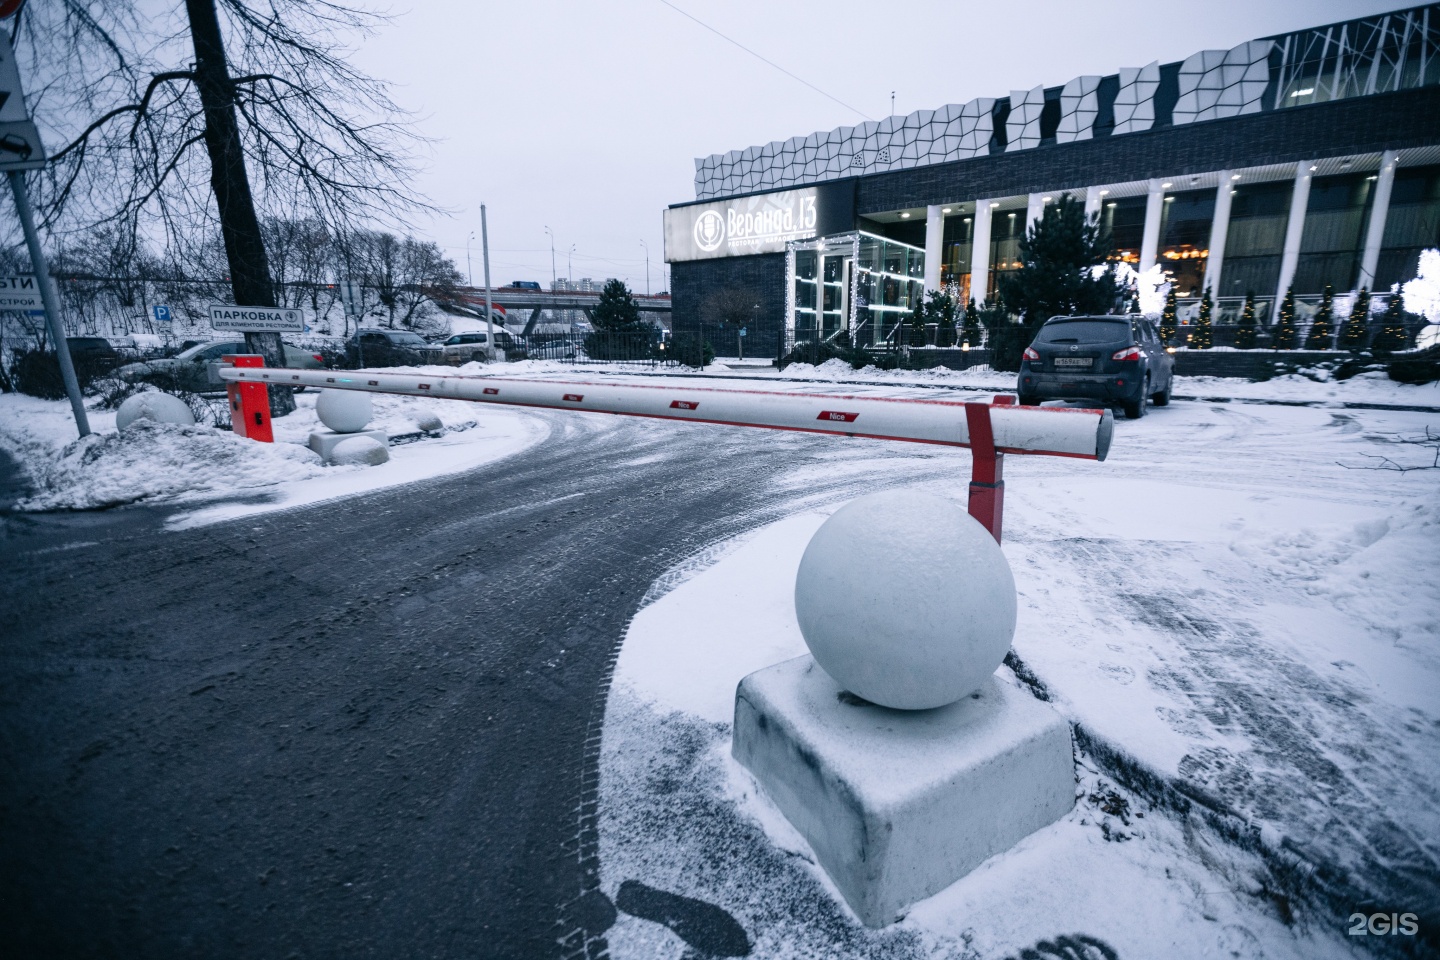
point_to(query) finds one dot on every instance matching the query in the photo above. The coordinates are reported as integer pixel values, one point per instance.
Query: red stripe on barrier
(684, 405)
(491, 391)
(574, 397)
(837, 415)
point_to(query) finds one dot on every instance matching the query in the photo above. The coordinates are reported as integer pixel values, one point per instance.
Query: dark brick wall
(762, 275)
(1358, 125)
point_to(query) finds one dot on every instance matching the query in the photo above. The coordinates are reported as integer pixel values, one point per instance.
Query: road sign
(20, 293)
(352, 297)
(20, 147)
(256, 319)
(161, 313)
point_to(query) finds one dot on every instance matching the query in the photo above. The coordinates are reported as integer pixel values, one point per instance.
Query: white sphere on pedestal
(344, 411)
(151, 405)
(905, 600)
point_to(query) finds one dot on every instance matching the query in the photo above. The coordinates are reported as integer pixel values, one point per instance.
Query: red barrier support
(987, 470)
(249, 402)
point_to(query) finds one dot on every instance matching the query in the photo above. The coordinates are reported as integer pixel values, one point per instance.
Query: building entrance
(856, 283)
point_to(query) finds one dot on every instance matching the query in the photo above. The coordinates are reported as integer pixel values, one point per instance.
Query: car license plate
(1073, 363)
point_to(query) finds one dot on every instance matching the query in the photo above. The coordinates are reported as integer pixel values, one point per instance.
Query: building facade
(1294, 162)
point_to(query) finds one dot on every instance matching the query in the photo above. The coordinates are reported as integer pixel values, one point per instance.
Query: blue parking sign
(161, 312)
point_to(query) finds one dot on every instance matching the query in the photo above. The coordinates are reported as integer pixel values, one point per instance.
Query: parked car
(391, 348)
(564, 349)
(464, 347)
(93, 356)
(197, 367)
(1112, 359)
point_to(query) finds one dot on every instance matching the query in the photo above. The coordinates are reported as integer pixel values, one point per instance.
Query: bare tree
(407, 276)
(263, 85)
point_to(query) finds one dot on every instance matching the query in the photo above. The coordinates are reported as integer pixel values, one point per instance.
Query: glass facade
(1125, 219)
(958, 249)
(859, 282)
(1255, 242)
(1185, 238)
(1007, 227)
(1411, 225)
(1334, 237)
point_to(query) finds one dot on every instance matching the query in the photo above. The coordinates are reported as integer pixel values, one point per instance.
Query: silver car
(464, 347)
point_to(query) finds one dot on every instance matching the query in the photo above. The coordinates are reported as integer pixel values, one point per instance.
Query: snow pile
(151, 460)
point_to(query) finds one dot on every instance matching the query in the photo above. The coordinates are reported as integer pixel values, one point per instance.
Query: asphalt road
(367, 728)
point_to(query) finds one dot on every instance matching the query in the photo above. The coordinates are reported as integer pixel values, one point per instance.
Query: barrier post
(249, 402)
(987, 470)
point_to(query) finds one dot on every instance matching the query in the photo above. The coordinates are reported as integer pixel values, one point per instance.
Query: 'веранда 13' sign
(758, 224)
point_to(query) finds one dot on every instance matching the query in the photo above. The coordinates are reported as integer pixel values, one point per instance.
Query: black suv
(1111, 359)
(390, 348)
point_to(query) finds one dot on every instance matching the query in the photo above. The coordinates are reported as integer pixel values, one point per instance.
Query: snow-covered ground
(220, 476)
(1233, 600)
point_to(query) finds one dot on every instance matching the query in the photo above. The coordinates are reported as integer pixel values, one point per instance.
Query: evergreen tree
(936, 307)
(1245, 330)
(1058, 255)
(1322, 328)
(1287, 334)
(1203, 338)
(970, 333)
(1392, 335)
(1357, 329)
(1168, 321)
(617, 310)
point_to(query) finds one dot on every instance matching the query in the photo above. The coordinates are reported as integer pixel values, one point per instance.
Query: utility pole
(647, 266)
(21, 150)
(485, 257)
(469, 270)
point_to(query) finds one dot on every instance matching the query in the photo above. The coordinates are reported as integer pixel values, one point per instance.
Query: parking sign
(161, 312)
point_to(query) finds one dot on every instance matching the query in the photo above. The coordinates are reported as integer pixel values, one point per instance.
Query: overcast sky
(587, 117)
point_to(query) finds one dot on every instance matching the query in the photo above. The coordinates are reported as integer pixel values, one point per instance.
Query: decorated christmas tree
(1287, 334)
(1322, 328)
(1357, 329)
(970, 333)
(1203, 337)
(1392, 335)
(1245, 329)
(1167, 317)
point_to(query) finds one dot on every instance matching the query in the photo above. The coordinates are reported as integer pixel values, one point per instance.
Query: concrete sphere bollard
(427, 420)
(366, 451)
(905, 600)
(161, 407)
(344, 411)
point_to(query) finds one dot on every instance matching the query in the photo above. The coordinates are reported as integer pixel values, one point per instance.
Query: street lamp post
(647, 266)
(552, 258)
(570, 266)
(469, 270)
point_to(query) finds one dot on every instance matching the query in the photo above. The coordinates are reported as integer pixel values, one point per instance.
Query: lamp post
(570, 266)
(647, 266)
(489, 309)
(469, 271)
(552, 258)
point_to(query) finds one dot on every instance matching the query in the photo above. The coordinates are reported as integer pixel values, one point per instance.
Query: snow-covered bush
(1422, 295)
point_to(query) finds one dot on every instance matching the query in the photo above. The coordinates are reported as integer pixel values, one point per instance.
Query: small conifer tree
(970, 333)
(1203, 337)
(1168, 322)
(1322, 328)
(1392, 335)
(1356, 331)
(1287, 334)
(1245, 329)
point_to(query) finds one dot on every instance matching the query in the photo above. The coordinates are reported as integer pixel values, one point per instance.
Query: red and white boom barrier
(991, 430)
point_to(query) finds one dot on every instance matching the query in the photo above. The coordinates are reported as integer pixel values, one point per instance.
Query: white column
(1092, 202)
(1294, 230)
(1219, 232)
(1379, 209)
(934, 247)
(1034, 210)
(980, 253)
(1154, 209)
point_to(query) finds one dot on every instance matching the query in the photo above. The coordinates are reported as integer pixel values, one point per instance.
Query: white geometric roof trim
(1223, 83)
(1135, 101)
(1022, 128)
(1079, 106)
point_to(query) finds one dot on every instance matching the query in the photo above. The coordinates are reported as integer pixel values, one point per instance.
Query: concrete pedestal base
(898, 804)
(323, 441)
